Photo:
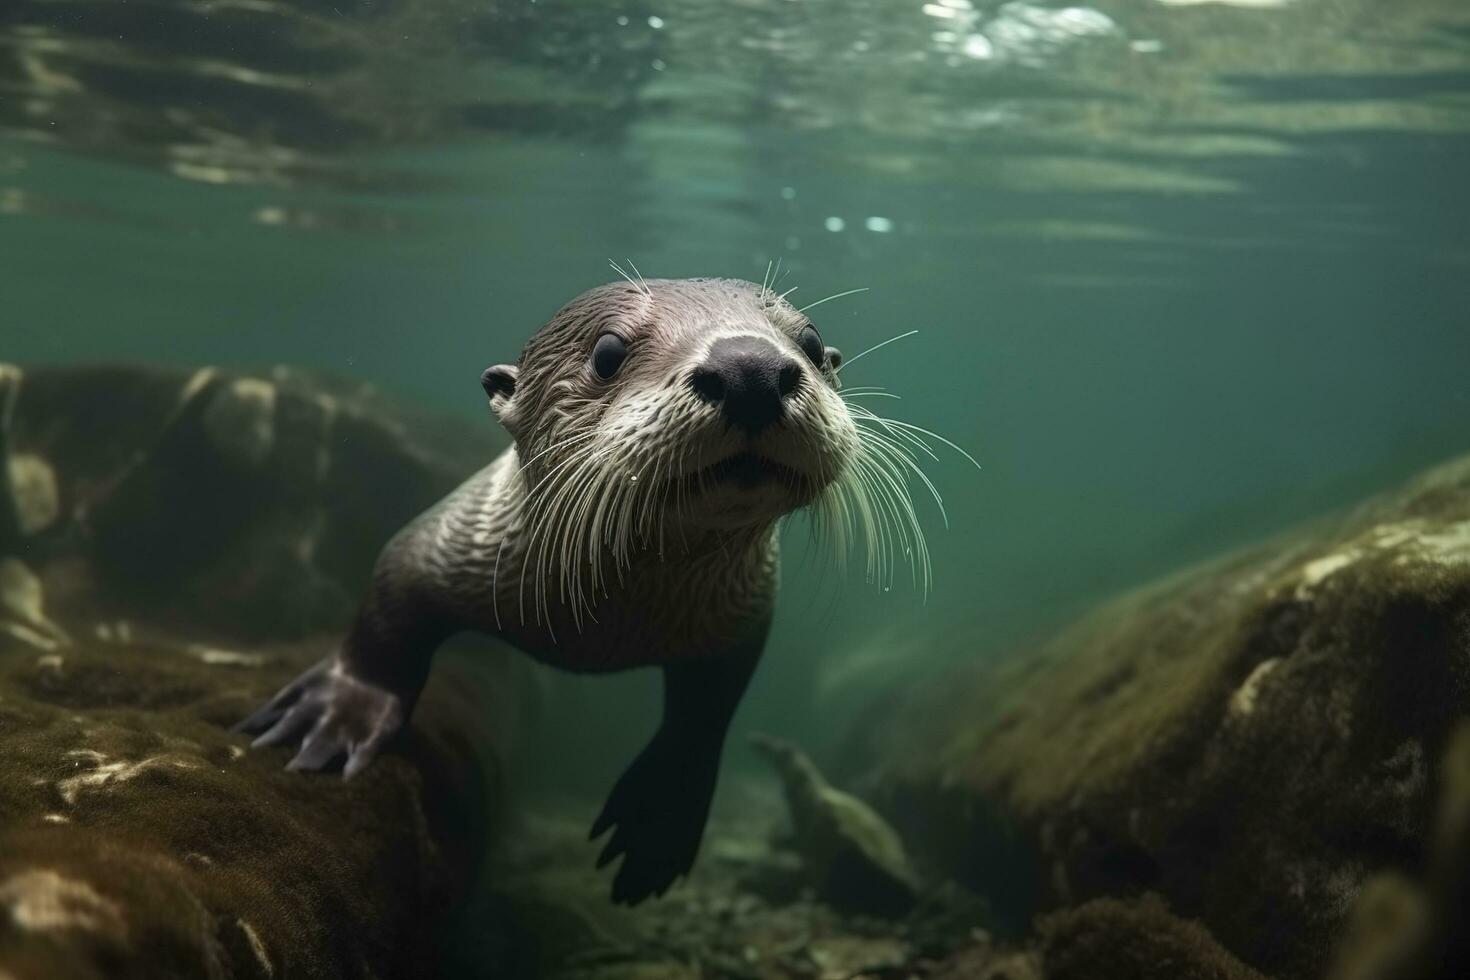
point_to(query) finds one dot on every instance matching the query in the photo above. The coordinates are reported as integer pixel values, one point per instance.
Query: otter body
(660, 429)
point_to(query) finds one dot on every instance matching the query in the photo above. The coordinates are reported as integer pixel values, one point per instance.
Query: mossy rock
(1253, 738)
(1108, 939)
(139, 837)
(208, 537)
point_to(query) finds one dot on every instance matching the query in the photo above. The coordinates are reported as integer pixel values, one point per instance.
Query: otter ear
(834, 357)
(499, 383)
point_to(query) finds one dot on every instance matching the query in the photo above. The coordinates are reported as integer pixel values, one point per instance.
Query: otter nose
(748, 378)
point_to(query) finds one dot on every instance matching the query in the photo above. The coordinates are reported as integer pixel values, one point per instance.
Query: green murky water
(1183, 272)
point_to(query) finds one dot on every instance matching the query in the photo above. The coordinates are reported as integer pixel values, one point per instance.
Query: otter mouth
(745, 470)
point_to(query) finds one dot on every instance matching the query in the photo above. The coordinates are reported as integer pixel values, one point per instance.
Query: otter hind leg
(658, 807)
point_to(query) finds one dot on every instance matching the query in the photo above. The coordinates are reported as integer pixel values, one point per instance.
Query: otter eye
(810, 343)
(608, 355)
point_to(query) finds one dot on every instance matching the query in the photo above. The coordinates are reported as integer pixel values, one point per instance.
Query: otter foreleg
(350, 705)
(658, 808)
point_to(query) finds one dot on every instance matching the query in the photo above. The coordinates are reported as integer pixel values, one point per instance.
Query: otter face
(704, 403)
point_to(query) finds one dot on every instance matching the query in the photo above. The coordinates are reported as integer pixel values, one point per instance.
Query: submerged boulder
(207, 538)
(1109, 939)
(1253, 739)
(139, 837)
(1412, 927)
(253, 504)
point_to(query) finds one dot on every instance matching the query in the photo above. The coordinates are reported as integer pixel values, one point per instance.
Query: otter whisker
(641, 286)
(825, 521)
(852, 501)
(885, 509)
(828, 299)
(538, 539)
(861, 414)
(573, 533)
(901, 456)
(848, 362)
(843, 527)
(585, 530)
(594, 534)
(933, 435)
(890, 495)
(901, 460)
(777, 280)
(908, 531)
(644, 282)
(874, 520)
(601, 525)
(544, 502)
(495, 584)
(565, 442)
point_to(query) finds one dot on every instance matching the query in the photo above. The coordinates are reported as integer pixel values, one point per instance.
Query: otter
(660, 430)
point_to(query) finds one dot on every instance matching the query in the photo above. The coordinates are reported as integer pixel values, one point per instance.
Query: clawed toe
(260, 719)
(286, 728)
(337, 717)
(318, 750)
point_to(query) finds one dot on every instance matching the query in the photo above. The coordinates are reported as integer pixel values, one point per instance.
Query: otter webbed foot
(658, 808)
(656, 811)
(334, 715)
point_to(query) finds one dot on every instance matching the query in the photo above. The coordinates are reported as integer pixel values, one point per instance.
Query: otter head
(693, 404)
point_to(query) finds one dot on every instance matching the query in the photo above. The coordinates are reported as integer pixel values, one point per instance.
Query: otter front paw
(333, 713)
(657, 813)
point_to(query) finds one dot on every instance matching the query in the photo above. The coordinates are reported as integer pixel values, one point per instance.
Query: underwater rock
(1104, 939)
(849, 853)
(1108, 939)
(10, 378)
(240, 421)
(983, 963)
(138, 837)
(22, 612)
(1252, 739)
(198, 517)
(1403, 929)
(250, 504)
(33, 494)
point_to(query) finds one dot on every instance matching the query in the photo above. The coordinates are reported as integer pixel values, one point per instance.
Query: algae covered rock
(1253, 739)
(208, 535)
(1413, 928)
(1108, 939)
(139, 838)
(851, 855)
